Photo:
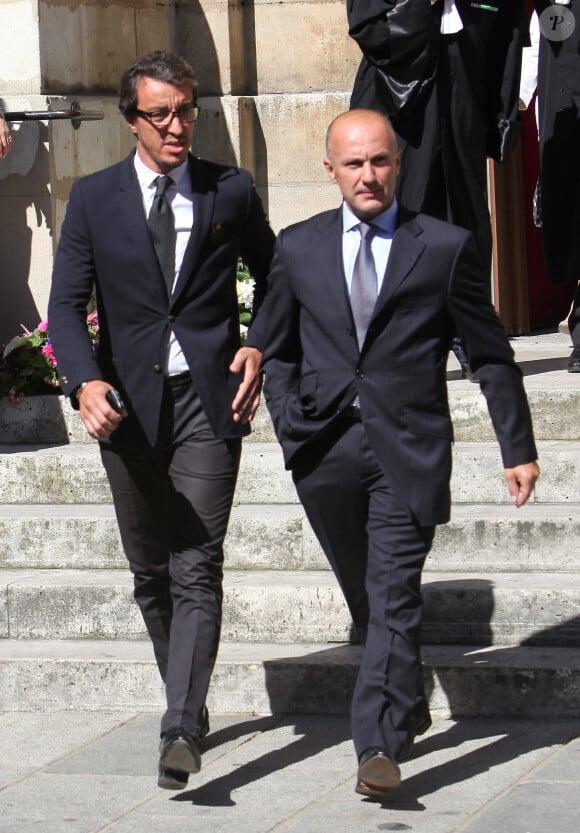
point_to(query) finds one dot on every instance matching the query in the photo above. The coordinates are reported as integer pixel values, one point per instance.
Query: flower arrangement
(245, 288)
(28, 364)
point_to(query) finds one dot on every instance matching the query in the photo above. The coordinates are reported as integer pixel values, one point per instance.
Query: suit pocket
(307, 390)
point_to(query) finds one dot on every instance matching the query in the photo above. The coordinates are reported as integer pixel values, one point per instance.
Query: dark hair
(163, 66)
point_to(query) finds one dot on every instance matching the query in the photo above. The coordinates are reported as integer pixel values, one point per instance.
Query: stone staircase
(502, 588)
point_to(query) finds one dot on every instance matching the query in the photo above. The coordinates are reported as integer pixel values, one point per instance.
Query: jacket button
(171, 318)
(360, 374)
(157, 368)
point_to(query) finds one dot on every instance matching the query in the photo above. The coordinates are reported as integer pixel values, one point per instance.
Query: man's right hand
(99, 417)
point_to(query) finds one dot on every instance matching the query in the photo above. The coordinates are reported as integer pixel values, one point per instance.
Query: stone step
(286, 678)
(74, 474)
(540, 608)
(478, 538)
(554, 402)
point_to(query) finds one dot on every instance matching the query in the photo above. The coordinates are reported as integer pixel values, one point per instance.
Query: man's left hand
(247, 361)
(521, 481)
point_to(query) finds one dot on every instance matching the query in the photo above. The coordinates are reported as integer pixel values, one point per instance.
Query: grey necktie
(363, 290)
(162, 227)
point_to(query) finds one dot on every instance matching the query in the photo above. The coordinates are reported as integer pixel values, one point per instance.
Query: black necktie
(363, 290)
(162, 227)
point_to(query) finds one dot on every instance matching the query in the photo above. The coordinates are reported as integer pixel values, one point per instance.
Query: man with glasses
(170, 392)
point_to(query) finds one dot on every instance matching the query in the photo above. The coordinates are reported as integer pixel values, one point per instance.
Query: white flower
(246, 293)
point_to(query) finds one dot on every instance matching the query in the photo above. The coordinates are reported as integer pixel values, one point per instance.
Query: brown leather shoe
(378, 773)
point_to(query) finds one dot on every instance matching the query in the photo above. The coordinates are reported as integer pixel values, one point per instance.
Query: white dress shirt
(384, 224)
(450, 19)
(180, 198)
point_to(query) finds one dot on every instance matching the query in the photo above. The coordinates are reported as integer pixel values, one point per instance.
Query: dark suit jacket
(105, 243)
(432, 289)
(402, 56)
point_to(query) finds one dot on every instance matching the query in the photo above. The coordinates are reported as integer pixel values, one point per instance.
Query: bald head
(354, 121)
(363, 159)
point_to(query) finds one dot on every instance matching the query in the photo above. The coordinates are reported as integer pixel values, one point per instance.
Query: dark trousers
(377, 553)
(173, 503)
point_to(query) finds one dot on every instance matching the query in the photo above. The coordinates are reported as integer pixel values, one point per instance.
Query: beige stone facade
(271, 75)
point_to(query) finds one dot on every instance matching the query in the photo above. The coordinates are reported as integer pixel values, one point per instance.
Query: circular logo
(557, 23)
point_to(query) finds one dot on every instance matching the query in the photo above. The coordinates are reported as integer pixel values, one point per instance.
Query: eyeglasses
(163, 117)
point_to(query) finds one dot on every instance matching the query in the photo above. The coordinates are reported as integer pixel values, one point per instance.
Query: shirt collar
(386, 222)
(147, 176)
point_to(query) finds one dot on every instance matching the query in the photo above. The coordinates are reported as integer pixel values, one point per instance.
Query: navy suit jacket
(105, 244)
(432, 290)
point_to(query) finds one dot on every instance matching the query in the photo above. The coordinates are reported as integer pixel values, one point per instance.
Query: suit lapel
(134, 220)
(328, 264)
(406, 249)
(203, 191)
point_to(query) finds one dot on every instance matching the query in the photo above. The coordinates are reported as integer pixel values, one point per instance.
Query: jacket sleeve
(369, 27)
(491, 358)
(282, 353)
(72, 285)
(257, 250)
(399, 39)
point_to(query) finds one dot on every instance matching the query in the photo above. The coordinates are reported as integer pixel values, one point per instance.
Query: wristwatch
(78, 390)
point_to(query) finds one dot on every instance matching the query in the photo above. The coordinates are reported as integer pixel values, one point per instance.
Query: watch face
(78, 390)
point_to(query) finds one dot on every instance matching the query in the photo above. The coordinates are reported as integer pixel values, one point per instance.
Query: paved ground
(86, 772)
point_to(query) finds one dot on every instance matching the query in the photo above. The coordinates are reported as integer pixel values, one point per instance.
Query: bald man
(365, 300)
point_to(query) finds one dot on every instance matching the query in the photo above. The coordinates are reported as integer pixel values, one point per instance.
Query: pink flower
(43, 326)
(48, 352)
